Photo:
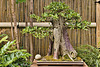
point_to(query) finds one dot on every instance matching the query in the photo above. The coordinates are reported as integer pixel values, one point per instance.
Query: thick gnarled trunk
(61, 39)
(68, 45)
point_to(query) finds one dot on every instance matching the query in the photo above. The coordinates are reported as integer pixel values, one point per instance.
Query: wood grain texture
(98, 23)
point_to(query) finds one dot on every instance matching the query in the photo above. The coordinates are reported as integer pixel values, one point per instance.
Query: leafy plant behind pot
(90, 55)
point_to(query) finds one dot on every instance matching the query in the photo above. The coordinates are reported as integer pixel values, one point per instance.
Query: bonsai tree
(61, 18)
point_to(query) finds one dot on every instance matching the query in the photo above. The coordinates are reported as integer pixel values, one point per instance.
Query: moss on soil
(65, 58)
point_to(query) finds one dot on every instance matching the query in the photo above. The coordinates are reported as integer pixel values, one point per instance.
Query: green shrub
(11, 57)
(90, 55)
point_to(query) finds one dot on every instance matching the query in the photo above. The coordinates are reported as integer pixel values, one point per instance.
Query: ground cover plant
(90, 55)
(11, 57)
(58, 14)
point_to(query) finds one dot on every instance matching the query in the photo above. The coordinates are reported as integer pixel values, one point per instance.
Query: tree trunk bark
(26, 35)
(68, 45)
(57, 36)
(15, 23)
(31, 24)
(64, 50)
(51, 42)
(61, 39)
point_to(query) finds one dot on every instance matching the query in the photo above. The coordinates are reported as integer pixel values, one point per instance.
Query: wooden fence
(86, 8)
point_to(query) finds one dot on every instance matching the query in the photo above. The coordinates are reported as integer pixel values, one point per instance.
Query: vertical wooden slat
(93, 10)
(47, 43)
(86, 5)
(75, 5)
(24, 41)
(79, 39)
(8, 13)
(40, 47)
(36, 45)
(83, 18)
(90, 10)
(0, 10)
(75, 30)
(23, 12)
(38, 42)
(41, 6)
(29, 8)
(38, 4)
(35, 7)
(3, 5)
(68, 2)
(93, 20)
(82, 36)
(93, 37)
(17, 8)
(89, 36)
(19, 34)
(79, 6)
(73, 37)
(98, 23)
(83, 10)
(86, 37)
(33, 47)
(22, 16)
(5, 13)
(72, 4)
(43, 49)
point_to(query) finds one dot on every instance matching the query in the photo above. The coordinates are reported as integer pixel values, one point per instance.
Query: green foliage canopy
(54, 11)
(38, 32)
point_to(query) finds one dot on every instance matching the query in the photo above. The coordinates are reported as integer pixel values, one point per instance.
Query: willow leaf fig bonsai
(61, 17)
